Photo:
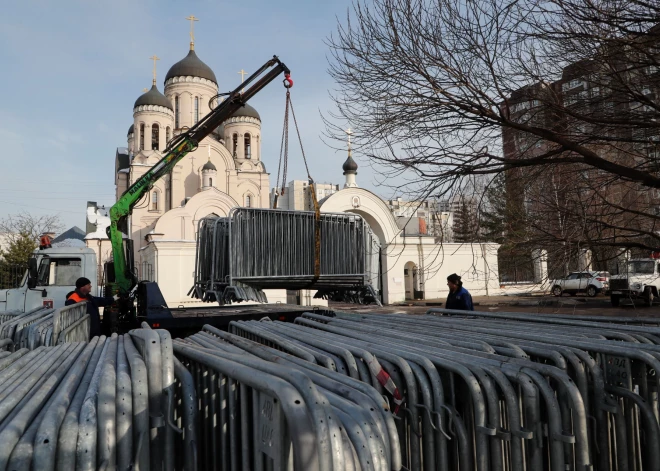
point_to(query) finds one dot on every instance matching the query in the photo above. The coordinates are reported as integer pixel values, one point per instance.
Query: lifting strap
(283, 167)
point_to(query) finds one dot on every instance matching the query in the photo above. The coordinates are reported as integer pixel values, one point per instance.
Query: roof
(350, 166)
(246, 110)
(154, 97)
(191, 66)
(209, 166)
(131, 129)
(73, 233)
(123, 159)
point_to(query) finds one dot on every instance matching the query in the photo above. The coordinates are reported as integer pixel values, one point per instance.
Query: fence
(11, 276)
(255, 249)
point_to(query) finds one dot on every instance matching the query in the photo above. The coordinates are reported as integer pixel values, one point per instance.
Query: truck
(52, 272)
(640, 279)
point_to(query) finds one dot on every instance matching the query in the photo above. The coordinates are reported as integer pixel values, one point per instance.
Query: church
(226, 171)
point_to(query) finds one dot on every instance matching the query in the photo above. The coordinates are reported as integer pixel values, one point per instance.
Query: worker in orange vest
(82, 294)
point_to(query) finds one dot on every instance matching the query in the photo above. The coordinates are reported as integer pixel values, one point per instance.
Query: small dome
(209, 166)
(153, 97)
(191, 66)
(248, 111)
(349, 166)
(131, 130)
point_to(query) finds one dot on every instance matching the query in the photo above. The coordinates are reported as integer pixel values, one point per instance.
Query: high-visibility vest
(77, 298)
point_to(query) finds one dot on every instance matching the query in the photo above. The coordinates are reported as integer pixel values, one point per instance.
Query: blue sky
(71, 71)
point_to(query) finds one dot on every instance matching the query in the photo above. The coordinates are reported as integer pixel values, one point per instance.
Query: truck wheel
(648, 297)
(556, 290)
(615, 298)
(591, 291)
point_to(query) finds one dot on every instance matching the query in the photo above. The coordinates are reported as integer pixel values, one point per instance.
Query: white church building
(227, 171)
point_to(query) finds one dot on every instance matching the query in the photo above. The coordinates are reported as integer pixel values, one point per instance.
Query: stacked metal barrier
(255, 249)
(114, 403)
(482, 391)
(46, 327)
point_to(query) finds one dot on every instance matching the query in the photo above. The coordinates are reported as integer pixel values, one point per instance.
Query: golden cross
(192, 20)
(154, 58)
(242, 73)
(350, 133)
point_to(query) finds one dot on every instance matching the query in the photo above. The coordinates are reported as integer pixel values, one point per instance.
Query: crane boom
(179, 147)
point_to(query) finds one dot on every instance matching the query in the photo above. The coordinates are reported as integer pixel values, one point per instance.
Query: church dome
(153, 97)
(350, 166)
(191, 66)
(209, 166)
(131, 130)
(247, 111)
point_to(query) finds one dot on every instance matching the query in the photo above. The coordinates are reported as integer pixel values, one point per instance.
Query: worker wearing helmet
(82, 294)
(459, 298)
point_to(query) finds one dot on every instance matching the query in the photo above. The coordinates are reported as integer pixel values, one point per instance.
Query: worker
(459, 298)
(82, 293)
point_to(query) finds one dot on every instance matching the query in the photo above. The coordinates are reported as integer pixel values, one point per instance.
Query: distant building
(429, 217)
(297, 196)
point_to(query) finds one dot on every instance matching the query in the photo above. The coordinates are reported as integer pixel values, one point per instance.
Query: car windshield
(640, 268)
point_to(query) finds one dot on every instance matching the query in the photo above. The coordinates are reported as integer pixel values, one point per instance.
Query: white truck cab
(639, 279)
(52, 275)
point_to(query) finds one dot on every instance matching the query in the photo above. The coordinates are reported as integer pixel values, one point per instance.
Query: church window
(141, 136)
(176, 112)
(196, 109)
(155, 137)
(154, 201)
(234, 139)
(248, 201)
(248, 147)
(210, 181)
(168, 135)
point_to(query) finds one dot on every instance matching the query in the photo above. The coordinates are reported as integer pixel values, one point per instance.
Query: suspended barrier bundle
(483, 391)
(256, 249)
(45, 327)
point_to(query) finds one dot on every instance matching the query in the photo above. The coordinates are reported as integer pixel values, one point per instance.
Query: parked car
(589, 282)
(604, 278)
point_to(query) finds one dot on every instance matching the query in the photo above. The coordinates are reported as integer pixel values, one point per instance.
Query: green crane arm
(181, 145)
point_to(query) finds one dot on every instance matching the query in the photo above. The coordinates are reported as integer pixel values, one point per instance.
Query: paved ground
(600, 305)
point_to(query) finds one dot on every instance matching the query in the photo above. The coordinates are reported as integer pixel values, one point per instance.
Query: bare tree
(25, 225)
(560, 96)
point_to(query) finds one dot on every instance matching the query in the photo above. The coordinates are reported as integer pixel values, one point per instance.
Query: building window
(196, 109)
(141, 136)
(248, 201)
(248, 147)
(234, 139)
(155, 137)
(176, 112)
(210, 181)
(168, 135)
(154, 201)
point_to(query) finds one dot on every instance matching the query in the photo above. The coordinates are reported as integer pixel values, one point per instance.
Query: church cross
(192, 20)
(350, 133)
(242, 73)
(154, 58)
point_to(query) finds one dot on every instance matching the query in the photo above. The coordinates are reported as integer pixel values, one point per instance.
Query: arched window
(155, 137)
(154, 201)
(168, 135)
(196, 109)
(210, 181)
(248, 147)
(176, 112)
(234, 139)
(141, 136)
(248, 201)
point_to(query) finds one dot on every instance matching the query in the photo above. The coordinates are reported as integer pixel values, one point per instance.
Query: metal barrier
(255, 249)
(46, 327)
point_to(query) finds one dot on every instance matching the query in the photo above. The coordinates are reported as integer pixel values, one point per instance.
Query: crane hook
(288, 81)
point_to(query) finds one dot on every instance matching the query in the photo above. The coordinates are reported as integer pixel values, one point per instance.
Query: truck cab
(640, 279)
(52, 275)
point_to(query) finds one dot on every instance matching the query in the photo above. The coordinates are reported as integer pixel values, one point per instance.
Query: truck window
(639, 267)
(59, 271)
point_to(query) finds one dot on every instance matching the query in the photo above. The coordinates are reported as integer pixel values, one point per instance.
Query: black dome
(350, 166)
(248, 111)
(191, 66)
(154, 97)
(131, 130)
(209, 166)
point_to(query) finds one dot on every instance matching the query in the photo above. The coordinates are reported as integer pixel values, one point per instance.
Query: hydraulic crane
(120, 276)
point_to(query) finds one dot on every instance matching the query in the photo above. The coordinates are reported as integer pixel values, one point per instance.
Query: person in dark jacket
(82, 293)
(459, 298)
